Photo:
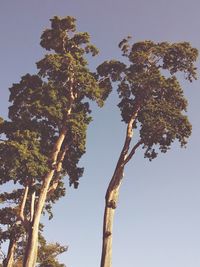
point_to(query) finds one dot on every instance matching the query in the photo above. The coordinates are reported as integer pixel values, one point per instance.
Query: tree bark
(30, 255)
(55, 183)
(9, 262)
(31, 248)
(32, 208)
(110, 206)
(23, 203)
(112, 193)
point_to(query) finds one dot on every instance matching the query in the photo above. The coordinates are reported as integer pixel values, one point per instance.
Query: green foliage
(41, 102)
(48, 252)
(57, 97)
(21, 156)
(149, 84)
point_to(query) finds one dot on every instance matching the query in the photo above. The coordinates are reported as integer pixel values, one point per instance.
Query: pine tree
(152, 105)
(45, 136)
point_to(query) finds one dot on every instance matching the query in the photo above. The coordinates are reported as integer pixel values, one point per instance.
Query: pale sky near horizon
(157, 222)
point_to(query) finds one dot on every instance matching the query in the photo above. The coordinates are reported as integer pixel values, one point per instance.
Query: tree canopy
(45, 134)
(148, 84)
(152, 104)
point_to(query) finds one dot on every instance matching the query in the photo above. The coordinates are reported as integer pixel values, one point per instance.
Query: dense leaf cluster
(148, 83)
(43, 106)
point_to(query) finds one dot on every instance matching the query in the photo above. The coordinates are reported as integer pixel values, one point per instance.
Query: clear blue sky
(157, 222)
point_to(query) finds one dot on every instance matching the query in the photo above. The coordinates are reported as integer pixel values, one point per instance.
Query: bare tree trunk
(112, 193)
(56, 179)
(30, 255)
(32, 210)
(9, 262)
(110, 206)
(23, 203)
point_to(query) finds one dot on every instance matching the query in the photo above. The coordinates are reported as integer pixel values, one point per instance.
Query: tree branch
(23, 203)
(118, 173)
(129, 135)
(32, 208)
(132, 152)
(53, 187)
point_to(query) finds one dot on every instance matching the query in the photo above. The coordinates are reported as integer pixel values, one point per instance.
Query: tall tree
(49, 116)
(152, 104)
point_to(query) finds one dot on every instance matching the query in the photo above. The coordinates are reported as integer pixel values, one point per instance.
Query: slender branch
(132, 152)
(32, 210)
(118, 173)
(23, 203)
(63, 43)
(21, 208)
(53, 187)
(129, 131)
(61, 158)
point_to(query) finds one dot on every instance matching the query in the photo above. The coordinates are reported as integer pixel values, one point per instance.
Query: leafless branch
(132, 152)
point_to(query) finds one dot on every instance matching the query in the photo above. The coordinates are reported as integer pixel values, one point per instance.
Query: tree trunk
(112, 193)
(32, 209)
(110, 206)
(30, 255)
(9, 262)
(31, 248)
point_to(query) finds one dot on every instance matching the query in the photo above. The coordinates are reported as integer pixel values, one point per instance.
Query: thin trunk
(31, 248)
(23, 203)
(110, 206)
(36, 252)
(32, 210)
(112, 193)
(30, 257)
(32, 206)
(9, 262)
(54, 185)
